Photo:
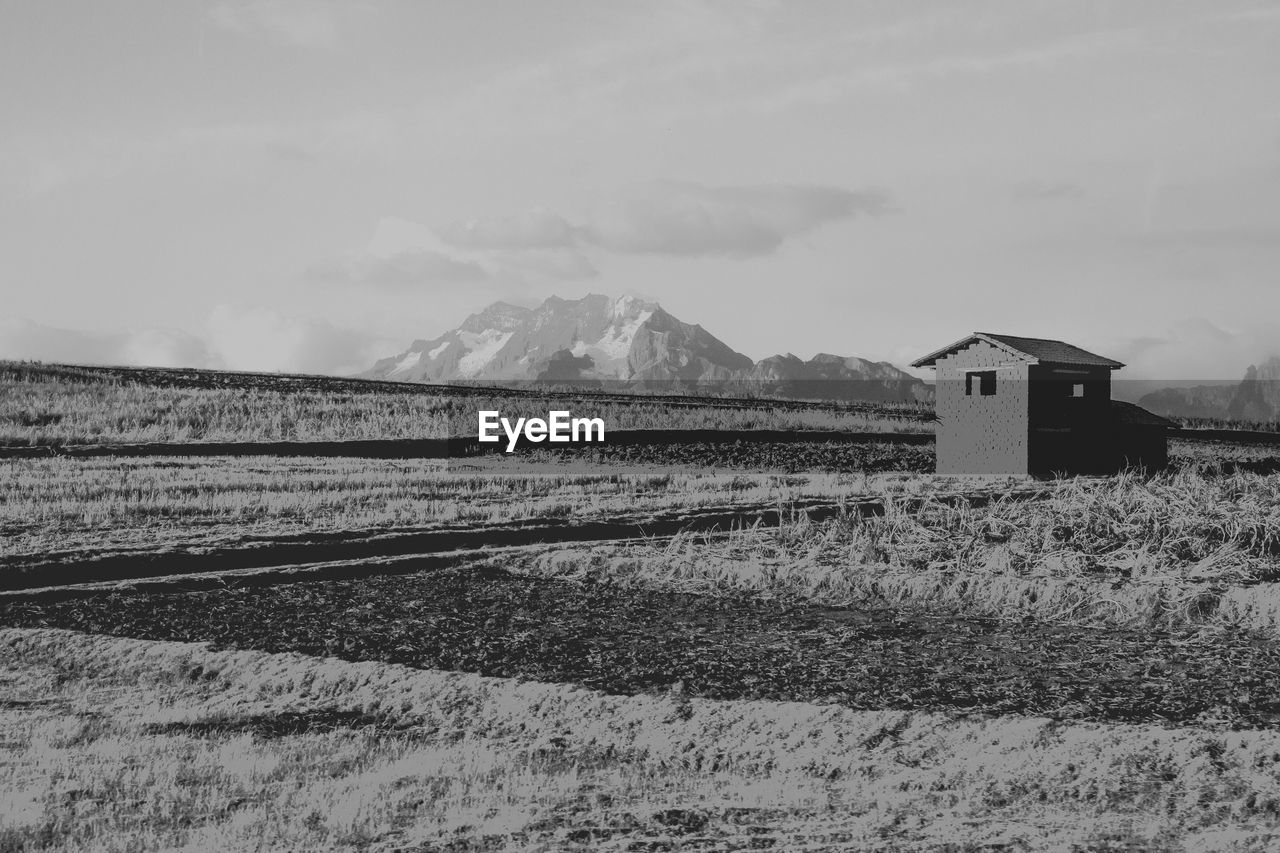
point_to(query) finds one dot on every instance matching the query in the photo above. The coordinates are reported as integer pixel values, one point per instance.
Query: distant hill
(1255, 398)
(597, 340)
(836, 377)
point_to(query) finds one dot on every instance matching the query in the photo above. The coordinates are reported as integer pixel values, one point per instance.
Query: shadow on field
(278, 724)
(627, 640)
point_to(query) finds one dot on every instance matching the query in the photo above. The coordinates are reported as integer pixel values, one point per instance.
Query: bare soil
(626, 641)
(791, 457)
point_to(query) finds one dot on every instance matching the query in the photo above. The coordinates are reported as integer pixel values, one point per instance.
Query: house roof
(1131, 415)
(1033, 350)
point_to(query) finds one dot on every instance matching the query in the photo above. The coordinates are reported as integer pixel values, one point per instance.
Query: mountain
(1258, 396)
(596, 340)
(1255, 398)
(836, 377)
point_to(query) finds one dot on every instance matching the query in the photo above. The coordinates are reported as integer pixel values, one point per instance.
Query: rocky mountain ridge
(631, 342)
(1255, 398)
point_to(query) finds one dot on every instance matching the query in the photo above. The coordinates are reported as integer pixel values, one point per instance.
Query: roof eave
(1011, 350)
(931, 360)
(1111, 365)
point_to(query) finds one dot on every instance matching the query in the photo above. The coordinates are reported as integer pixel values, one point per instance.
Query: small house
(1013, 405)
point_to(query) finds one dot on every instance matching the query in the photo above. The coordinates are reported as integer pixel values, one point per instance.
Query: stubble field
(870, 658)
(53, 405)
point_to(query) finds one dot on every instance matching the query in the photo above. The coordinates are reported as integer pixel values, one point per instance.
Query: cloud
(412, 268)
(1196, 349)
(289, 152)
(680, 219)
(552, 264)
(1047, 191)
(1232, 238)
(692, 220)
(306, 23)
(257, 338)
(502, 252)
(164, 348)
(536, 229)
(394, 236)
(236, 338)
(24, 339)
(38, 165)
(401, 254)
(673, 219)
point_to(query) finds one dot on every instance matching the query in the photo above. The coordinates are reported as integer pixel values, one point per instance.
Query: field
(42, 405)
(143, 745)
(80, 505)
(717, 646)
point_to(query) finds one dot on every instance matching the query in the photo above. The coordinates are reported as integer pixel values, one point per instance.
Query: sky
(308, 186)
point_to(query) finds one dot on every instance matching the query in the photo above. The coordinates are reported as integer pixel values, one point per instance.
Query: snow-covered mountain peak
(630, 306)
(627, 339)
(500, 316)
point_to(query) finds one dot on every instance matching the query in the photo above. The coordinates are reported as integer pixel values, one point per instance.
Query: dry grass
(1179, 549)
(61, 504)
(1157, 604)
(1182, 548)
(60, 412)
(1217, 457)
(118, 744)
(39, 410)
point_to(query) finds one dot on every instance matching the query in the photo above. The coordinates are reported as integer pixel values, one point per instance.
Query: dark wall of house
(1070, 421)
(1103, 449)
(1053, 397)
(1143, 447)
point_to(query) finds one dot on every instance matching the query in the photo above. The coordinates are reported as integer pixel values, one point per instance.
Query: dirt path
(81, 567)
(625, 641)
